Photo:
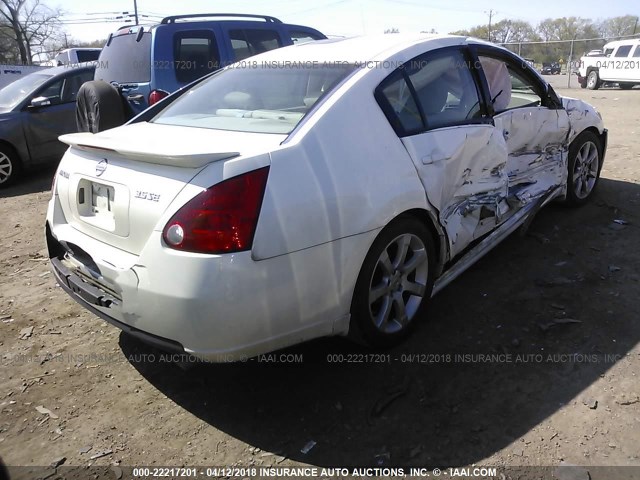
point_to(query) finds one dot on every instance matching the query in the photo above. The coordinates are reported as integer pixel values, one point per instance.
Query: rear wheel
(395, 283)
(9, 165)
(585, 163)
(593, 80)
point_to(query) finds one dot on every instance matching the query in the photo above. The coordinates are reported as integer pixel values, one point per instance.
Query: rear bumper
(90, 297)
(215, 307)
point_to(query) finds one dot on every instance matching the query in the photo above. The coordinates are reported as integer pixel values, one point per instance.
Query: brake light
(222, 219)
(157, 95)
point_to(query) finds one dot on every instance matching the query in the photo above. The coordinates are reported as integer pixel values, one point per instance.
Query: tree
(392, 30)
(619, 26)
(29, 24)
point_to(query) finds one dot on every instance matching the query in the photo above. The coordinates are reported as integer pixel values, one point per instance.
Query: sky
(345, 17)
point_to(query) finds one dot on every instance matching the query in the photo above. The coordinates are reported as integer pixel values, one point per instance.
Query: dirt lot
(560, 392)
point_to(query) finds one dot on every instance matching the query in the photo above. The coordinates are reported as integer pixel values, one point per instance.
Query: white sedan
(329, 188)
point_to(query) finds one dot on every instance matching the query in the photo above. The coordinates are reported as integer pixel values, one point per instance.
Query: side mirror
(40, 102)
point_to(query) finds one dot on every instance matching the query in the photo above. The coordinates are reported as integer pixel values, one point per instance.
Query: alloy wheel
(398, 283)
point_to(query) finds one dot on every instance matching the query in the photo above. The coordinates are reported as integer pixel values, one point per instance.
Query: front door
(532, 122)
(44, 124)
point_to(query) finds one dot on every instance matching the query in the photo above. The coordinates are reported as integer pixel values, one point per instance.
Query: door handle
(135, 98)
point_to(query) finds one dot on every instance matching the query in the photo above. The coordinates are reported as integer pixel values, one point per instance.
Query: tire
(593, 80)
(585, 164)
(99, 107)
(10, 166)
(399, 298)
(626, 86)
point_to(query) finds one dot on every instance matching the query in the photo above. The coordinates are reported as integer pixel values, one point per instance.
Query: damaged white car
(329, 188)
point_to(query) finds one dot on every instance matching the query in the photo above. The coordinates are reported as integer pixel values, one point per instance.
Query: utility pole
(491, 13)
(635, 26)
(135, 10)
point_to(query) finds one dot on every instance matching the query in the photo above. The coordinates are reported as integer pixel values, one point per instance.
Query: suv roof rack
(173, 18)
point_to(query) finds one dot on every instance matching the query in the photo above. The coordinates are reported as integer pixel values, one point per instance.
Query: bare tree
(29, 24)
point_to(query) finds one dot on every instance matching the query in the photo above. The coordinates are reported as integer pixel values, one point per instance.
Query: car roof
(362, 48)
(631, 41)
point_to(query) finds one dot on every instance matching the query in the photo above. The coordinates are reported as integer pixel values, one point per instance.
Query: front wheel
(585, 163)
(593, 80)
(395, 283)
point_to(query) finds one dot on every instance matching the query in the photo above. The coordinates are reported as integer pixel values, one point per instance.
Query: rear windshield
(268, 99)
(126, 61)
(87, 55)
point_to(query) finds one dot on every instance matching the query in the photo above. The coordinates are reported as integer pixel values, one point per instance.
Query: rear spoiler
(147, 153)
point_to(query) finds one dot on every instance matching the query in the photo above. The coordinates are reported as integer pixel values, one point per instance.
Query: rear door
(436, 107)
(185, 52)
(531, 120)
(245, 41)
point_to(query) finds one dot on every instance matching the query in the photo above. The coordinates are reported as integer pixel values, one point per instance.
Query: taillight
(157, 95)
(222, 219)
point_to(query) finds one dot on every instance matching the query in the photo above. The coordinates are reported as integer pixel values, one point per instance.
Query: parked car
(71, 56)
(550, 68)
(621, 65)
(330, 190)
(34, 111)
(142, 65)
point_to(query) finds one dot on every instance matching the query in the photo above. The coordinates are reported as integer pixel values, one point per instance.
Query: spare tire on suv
(98, 107)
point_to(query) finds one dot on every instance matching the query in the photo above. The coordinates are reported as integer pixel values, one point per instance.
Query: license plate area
(102, 198)
(102, 205)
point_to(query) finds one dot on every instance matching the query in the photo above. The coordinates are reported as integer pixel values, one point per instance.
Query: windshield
(266, 99)
(15, 92)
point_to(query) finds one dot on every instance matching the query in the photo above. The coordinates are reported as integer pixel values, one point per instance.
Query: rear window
(88, 55)
(196, 54)
(271, 99)
(125, 60)
(252, 41)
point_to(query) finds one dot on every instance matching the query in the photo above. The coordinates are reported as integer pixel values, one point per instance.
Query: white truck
(73, 56)
(619, 63)
(9, 73)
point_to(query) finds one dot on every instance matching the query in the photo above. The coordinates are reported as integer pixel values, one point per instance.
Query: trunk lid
(116, 185)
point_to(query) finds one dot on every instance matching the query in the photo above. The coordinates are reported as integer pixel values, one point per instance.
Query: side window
(72, 84)
(399, 105)
(636, 54)
(623, 51)
(445, 89)
(608, 52)
(432, 91)
(299, 37)
(53, 92)
(248, 42)
(195, 54)
(508, 86)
